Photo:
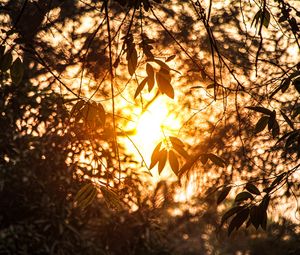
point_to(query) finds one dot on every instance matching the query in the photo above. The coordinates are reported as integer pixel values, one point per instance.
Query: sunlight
(151, 128)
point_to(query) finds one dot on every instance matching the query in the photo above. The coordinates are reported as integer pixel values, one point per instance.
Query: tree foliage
(73, 74)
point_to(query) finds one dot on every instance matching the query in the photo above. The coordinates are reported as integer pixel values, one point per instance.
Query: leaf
(267, 18)
(255, 216)
(296, 84)
(173, 162)
(140, 87)
(275, 129)
(216, 160)
(252, 188)
(243, 196)
(111, 198)
(162, 65)
(204, 158)
(261, 124)
(176, 141)
(85, 195)
(150, 73)
(132, 58)
(238, 220)
(170, 58)
(163, 154)
(223, 194)
(75, 109)
(5, 61)
(155, 155)
(256, 18)
(287, 119)
(164, 85)
(260, 109)
(230, 213)
(17, 71)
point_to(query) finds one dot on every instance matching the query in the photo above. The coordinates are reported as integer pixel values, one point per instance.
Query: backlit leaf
(150, 73)
(173, 162)
(85, 195)
(155, 155)
(163, 155)
(140, 87)
(164, 85)
(223, 194)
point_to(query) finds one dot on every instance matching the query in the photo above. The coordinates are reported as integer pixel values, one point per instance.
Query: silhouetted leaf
(163, 155)
(164, 85)
(275, 129)
(162, 65)
(238, 220)
(252, 188)
(170, 58)
(260, 109)
(296, 84)
(261, 124)
(155, 155)
(243, 196)
(267, 18)
(223, 194)
(256, 18)
(17, 71)
(5, 61)
(287, 119)
(150, 73)
(204, 158)
(140, 87)
(230, 213)
(216, 160)
(75, 109)
(255, 216)
(173, 162)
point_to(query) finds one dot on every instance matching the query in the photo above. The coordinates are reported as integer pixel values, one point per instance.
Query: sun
(153, 125)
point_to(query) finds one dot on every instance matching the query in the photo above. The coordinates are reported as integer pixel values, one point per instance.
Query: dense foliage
(75, 75)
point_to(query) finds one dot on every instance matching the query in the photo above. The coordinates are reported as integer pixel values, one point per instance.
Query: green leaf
(173, 162)
(140, 87)
(17, 71)
(155, 155)
(261, 124)
(223, 194)
(243, 196)
(252, 188)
